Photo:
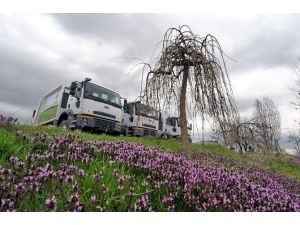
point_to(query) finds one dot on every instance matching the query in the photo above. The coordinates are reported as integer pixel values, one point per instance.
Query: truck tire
(65, 124)
(165, 136)
(126, 131)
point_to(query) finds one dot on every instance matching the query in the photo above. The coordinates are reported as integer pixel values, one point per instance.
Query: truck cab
(82, 105)
(170, 127)
(140, 119)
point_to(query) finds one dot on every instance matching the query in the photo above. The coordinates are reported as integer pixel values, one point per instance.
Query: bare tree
(294, 134)
(259, 133)
(243, 134)
(191, 69)
(267, 121)
(296, 89)
(239, 135)
(294, 138)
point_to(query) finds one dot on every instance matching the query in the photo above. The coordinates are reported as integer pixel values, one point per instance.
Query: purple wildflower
(116, 173)
(93, 199)
(69, 178)
(74, 198)
(51, 203)
(78, 207)
(81, 173)
(98, 176)
(142, 204)
(104, 189)
(75, 186)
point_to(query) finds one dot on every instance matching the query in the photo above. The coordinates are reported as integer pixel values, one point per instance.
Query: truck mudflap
(100, 124)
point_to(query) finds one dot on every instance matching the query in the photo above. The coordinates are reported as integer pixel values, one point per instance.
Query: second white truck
(140, 119)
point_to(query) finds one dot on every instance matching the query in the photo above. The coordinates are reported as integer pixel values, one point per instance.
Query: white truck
(140, 119)
(170, 127)
(83, 105)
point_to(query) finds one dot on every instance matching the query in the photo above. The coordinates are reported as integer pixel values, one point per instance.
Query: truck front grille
(104, 125)
(149, 132)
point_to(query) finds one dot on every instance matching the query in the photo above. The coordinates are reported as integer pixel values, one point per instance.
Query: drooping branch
(208, 84)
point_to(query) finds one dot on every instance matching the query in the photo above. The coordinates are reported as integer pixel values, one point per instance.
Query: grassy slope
(285, 165)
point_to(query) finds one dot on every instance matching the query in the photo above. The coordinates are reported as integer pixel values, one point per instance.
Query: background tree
(191, 69)
(296, 89)
(266, 117)
(259, 133)
(239, 135)
(294, 139)
(294, 134)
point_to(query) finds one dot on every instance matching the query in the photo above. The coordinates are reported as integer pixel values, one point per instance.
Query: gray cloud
(37, 54)
(137, 33)
(271, 41)
(245, 104)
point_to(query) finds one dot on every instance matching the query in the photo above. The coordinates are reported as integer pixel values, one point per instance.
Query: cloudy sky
(40, 51)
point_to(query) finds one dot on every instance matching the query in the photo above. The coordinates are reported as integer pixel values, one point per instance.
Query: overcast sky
(40, 51)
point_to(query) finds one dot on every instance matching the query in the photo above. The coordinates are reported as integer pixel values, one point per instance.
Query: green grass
(9, 145)
(171, 145)
(283, 164)
(115, 200)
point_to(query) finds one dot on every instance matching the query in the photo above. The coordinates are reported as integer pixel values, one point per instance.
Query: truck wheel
(126, 131)
(165, 136)
(65, 124)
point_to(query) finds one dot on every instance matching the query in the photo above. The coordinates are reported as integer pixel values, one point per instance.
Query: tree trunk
(186, 148)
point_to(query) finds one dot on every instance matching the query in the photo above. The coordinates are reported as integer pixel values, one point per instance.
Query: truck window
(172, 121)
(129, 108)
(64, 100)
(147, 111)
(104, 96)
(98, 93)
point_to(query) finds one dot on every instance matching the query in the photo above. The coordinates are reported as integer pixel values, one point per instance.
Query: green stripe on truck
(48, 114)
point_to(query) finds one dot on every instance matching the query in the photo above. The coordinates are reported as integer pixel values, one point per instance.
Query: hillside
(49, 169)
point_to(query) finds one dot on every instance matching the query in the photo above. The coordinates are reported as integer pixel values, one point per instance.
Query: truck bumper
(141, 131)
(150, 132)
(100, 124)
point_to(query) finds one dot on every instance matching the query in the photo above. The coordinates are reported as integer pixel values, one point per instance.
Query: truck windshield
(98, 93)
(147, 111)
(173, 121)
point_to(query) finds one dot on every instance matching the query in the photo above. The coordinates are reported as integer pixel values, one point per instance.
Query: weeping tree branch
(193, 68)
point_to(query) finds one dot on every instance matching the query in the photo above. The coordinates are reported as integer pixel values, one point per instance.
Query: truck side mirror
(125, 106)
(33, 114)
(73, 88)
